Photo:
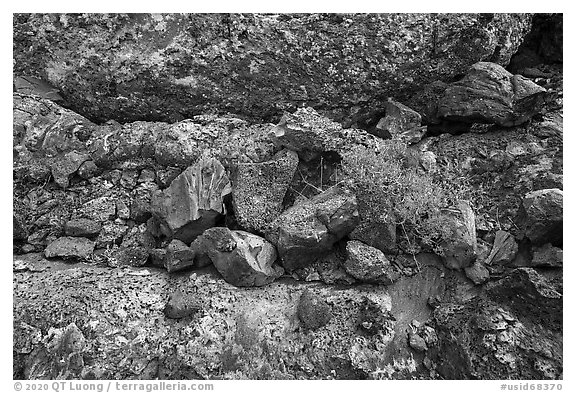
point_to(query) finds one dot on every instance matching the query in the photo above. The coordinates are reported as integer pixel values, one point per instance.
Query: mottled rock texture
(170, 67)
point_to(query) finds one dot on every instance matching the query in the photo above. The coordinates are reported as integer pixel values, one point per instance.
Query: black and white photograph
(201, 197)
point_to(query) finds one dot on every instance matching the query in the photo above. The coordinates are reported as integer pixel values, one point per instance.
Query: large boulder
(70, 247)
(193, 202)
(172, 66)
(541, 216)
(259, 190)
(490, 94)
(243, 259)
(308, 230)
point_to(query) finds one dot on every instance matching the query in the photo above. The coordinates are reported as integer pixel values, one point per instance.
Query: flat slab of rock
(308, 230)
(368, 264)
(541, 216)
(70, 247)
(259, 190)
(193, 201)
(490, 94)
(243, 259)
(82, 227)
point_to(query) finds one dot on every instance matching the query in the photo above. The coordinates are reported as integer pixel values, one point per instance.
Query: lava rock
(99, 209)
(504, 249)
(243, 259)
(547, 256)
(193, 202)
(259, 190)
(88, 170)
(490, 94)
(181, 305)
(477, 273)
(313, 311)
(369, 264)
(541, 216)
(178, 256)
(460, 250)
(82, 227)
(157, 256)
(308, 230)
(70, 247)
(399, 119)
(111, 233)
(376, 233)
(64, 167)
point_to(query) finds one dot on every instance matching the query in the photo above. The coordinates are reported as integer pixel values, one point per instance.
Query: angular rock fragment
(100, 209)
(110, 234)
(547, 256)
(193, 202)
(243, 259)
(65, 166)
(19, 231)
(490, 94)
(308, 230)
(460, 249)
(135, 246)
(477, 273)
(70, 247)
(157, 256)
(313, 311)
(376, 233)
(541, 216)
(178, 256)
(82, 227)
(504, 249)
(401, 123)
(88, 170)
(369, 264)
(259, 190)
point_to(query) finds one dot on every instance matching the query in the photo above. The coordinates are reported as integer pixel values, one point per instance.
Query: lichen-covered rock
(504, 249)
(547, 256)
(460, 250)
(480, 339)
(193, 202)
(178, 256)
(369, 264)
(243, 259)
(259, 190)
(308, 230)
(541, 216)
(490, 94)
(70, 247)
(259, 64)
(82, 227)
(313, 311)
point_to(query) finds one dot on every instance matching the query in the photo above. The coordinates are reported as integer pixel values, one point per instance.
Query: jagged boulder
(70, 247)
(259, 64)
(259, 190)
(400, 122)
(490, 94)
(541, 216)
(308, 230)
(243, 259)
(368, 264)
(193, 201)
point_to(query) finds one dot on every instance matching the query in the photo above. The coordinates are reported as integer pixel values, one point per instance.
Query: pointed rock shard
(259, 190)
(243, 259)
(504, 249)
(193, 201)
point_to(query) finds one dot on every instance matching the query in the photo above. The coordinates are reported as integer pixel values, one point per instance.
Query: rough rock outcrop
(193, 202)
(70, 247)
(490, 94)
(259, 190)
(369, 264)
(243, 259)
(308, 230)
(172, 66)
(541, 216)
